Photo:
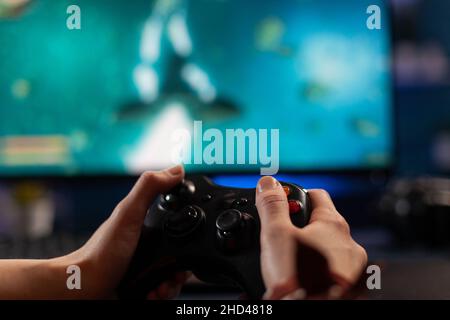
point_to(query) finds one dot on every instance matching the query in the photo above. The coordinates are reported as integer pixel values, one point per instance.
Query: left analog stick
(170, 202)
(186, 189)
(184, 221)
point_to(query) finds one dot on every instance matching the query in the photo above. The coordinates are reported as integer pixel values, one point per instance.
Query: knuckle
(120, 207)
(328, 213)
(322, 192)
(342, 224)
(148, 176)
(338, 222)
(362, 253)
(356, 252)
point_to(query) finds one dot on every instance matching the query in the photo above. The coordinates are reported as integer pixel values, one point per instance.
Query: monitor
(112, 87)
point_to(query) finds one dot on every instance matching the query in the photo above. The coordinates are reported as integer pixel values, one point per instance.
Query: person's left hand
(105, 257)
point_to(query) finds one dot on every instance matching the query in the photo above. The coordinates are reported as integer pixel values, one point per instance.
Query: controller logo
(236, 146)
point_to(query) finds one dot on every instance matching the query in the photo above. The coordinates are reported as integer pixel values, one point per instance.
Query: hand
(295, 261)
(105, 257)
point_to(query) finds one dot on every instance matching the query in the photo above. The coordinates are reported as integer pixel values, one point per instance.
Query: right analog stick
(170, 202)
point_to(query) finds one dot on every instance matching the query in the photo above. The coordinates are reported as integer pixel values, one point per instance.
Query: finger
(171, 291)
(321, 199)
(151, 183)
(271, 202)
(299, 294)
(171, 288)
(148, 186)
(163, 290)
(182, 277)
(176, 284)
(322, 205)
(278, 246)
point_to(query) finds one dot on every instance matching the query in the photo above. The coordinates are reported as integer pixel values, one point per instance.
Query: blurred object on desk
(43, 248)
(27, 211)
(425, 65)
(36, 210)
(418, 210)
(413, 279)
(441, 150)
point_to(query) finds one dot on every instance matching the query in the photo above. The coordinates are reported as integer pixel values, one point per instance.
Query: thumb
(278, 244)
(115, 241)
(134, 206)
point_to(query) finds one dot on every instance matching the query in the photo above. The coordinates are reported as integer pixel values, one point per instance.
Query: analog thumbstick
(229, 226)
(184, 221)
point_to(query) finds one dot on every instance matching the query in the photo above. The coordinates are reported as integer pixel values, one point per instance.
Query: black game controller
(210, 230)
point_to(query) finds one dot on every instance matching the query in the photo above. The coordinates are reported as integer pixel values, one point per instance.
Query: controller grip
(147, 270)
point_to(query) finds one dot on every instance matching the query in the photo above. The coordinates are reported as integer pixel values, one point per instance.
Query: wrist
(37, 279)
(75, 276)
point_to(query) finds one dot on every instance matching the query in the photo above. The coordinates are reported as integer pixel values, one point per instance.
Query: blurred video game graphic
(105, 99)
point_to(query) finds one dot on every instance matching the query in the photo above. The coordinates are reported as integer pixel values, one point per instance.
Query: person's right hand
(294, 260)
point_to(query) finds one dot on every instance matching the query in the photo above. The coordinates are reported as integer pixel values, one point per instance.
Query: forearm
(38, 279)
(102, 260)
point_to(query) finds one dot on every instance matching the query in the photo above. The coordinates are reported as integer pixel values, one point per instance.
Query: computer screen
(112, 87)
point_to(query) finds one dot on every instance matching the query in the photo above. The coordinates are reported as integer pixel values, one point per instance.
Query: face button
(295, 206)
(239, 203)
(183, 222)
(287, 190)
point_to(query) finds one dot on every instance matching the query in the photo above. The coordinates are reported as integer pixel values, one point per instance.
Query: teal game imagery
(106, 98)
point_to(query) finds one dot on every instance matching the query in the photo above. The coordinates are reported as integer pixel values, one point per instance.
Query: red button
(295, 206)
(287, 190)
